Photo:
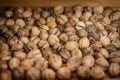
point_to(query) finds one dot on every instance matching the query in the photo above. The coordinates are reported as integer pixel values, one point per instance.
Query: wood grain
(42, 3)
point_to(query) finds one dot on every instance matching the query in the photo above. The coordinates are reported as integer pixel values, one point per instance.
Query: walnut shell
(84, 42)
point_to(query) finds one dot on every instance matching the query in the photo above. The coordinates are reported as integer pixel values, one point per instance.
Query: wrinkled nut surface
(32, 74)
(6, 75)
(55, 61)
(84, 42)
(53, 39)
(48, 74)
(14, 63)
(88, 61)
(73, 63)
(83, 72)
(105, 40)
(63, 73)
(20, 55)
(70, 45)
(114, 69)
(97, 73)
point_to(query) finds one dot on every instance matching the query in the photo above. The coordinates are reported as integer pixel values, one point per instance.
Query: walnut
(69, 31)
(63, 37)
(62, 19)
(4, 47)
(82, 33)
(43, 44)
(18, 73)
(58, 10)
(73, 63)
(84, 42)
(97, 73)
(55, 61)
(20, 23)
(102, 52)
(83, 72)
(27, 14)
(20, 54)
(53, 39)
(63, 73)
(107, 11)
(45, 14)
(103, 63)
(17, 46)
(76, 52)
(47, 51)
(23, 32)
(113, 36)
(5, 55)
(115, 15)
(105, 40)
(51, 22)
(114, 69)
(14, 63)
(5, 75)
(30, 46)
(88, 61)
(98, 9)
(24, 40)
(36, 15)
(10, 22)
(41, 64)
(3, 65)
(35, 53)
(80, 25)
(54, 31)
(48, 74)
(26, 63)
(73, 37)
(8, 13)
(32, 74)
(70, 45)
(65, 54)
(44, 34)
(35, 32)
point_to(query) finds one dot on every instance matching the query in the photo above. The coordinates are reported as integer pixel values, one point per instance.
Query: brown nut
(8, 13)
(20, 55)
(53, 39)
(73, 63)
(102, 53)
(35, 32)
(43, 34)
(26, 63)
(98, 9)
(23, 32)
(62, 19)
(14, 63)
(104, 40)
(58, 10)
(41, 64)
(82, 33)
(84, 42)
(48, 74)
(70, 45)
(83, 72)
(63, 73)
(76, 52)
(27, 14)
(88, 61)
(55, 61)
(6, 75)
(33, 74)
(10, 22)
(18, 73)
(103, 63)
(73, 37)
(20, 23)
(51, 22)
(113, 36)
(43, 44)
(54, 31)
(46, 52)
(97, 73)
(63, 37)
(114, 69)
(3, 65)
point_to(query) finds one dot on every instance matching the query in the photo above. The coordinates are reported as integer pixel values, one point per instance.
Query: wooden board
(42, 3)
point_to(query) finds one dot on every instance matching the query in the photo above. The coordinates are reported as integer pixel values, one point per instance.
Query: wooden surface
(42, 3)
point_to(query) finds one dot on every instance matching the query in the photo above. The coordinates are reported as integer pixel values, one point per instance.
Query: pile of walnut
(54, 43)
